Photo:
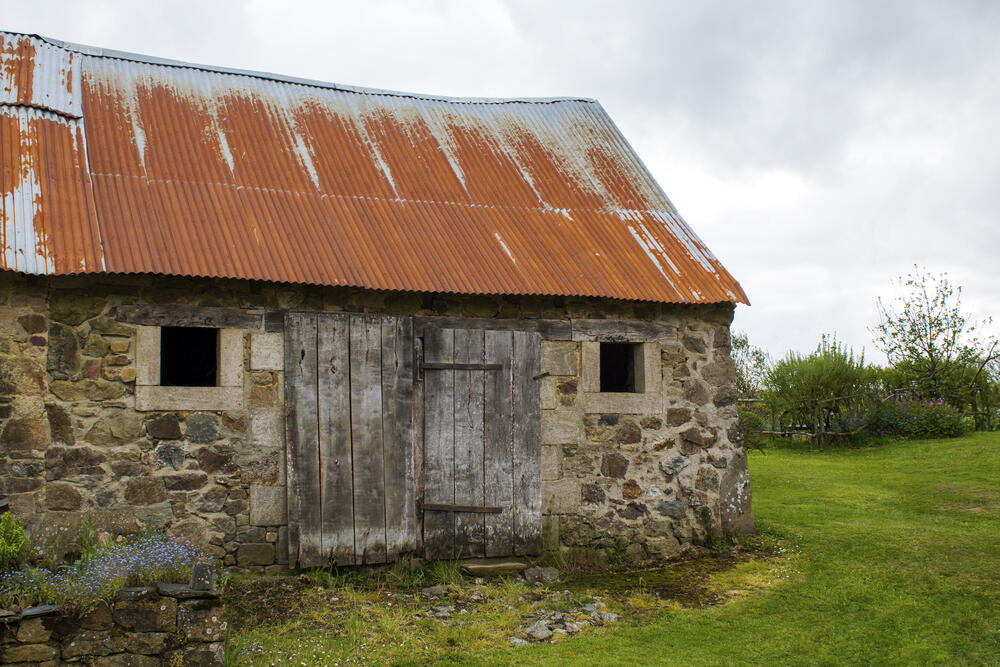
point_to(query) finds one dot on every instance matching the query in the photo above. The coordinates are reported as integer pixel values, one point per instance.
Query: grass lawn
(898, 563)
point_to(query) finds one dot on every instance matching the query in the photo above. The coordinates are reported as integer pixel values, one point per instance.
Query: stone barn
(303, 323)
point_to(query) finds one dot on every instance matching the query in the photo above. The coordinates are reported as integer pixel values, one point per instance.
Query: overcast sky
(819, 148)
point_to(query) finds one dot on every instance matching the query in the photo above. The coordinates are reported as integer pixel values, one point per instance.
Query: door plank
(397, 435)
(293, 342)
(366, 436)
(469, 479)
(439, 444)
(336, 469)
(499, 448)
(302, 436)
(527, 444)
(417, 462)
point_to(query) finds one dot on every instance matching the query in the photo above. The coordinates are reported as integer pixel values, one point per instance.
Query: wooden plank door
(349, 438)
(482, 451)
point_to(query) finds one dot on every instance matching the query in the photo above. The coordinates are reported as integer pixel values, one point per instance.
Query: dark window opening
(189, 357)
(618, 367)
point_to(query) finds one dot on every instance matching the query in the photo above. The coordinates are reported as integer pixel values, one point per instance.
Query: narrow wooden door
(349, 438)
(482, 443)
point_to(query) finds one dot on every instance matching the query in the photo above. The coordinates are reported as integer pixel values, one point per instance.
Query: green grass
(896, 560)
(899, 564)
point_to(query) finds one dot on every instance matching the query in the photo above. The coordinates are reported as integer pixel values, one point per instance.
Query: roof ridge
(100, 52)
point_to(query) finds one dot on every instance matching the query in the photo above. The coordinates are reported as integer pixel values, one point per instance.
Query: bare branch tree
(926, 334)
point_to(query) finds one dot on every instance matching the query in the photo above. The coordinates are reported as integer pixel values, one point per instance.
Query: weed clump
(14, 546)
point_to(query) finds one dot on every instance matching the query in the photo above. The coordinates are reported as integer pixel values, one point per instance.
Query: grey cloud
(819, 148)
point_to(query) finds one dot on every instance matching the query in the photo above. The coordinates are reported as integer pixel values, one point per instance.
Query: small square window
(189, 357)
(618, 367)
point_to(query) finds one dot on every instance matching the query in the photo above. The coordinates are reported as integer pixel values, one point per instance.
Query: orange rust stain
(261, 139)
(559, 183)
(345, 160)
(179, 140)
(111, 145)
(492, 175)
(68, 73)
(18, 68)
(418, 168)
(40, 160)
(614, 175)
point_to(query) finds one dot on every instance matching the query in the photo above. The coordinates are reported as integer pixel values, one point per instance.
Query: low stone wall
(169, 625)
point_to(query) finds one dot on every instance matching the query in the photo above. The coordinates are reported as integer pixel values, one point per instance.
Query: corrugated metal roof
(112, 164)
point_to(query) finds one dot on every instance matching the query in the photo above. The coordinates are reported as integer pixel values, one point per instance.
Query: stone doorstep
(487, 567)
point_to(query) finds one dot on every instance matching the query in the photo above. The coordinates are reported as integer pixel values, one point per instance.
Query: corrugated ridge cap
(100, 52)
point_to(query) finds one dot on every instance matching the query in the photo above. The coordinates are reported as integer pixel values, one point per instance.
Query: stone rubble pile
(552, 626)
(542, 625)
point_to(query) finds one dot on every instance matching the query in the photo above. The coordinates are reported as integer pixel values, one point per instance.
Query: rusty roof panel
(38, 74)
(46, 203)
(207, 173)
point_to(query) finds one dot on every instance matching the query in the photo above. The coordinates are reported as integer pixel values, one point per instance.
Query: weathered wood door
(349, 438)
(481, 443)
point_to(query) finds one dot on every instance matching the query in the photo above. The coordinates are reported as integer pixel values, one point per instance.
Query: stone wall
(640, 482)
(144, 627)
(73, 444)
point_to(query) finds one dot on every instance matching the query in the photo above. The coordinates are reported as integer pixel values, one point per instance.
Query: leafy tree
(824, 391)
(984, 392)
(935, 349)
(752, 364)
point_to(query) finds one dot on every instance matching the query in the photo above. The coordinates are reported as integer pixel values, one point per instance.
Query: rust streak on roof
(119, 163)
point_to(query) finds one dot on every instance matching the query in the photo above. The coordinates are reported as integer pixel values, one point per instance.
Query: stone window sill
(149, 398)
(622, 403)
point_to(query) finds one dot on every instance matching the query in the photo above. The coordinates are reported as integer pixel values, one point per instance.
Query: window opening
(618, 362)
(189, 357)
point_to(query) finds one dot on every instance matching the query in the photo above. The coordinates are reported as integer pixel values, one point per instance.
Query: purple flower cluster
(933, 404)
(916, 418)
(145, 560)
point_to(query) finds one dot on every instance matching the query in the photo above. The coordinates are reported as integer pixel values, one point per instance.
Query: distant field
(900, 564)
(895, 559)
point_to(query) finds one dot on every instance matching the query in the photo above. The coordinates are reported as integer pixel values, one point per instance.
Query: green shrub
(14, 547)
(752, 421)
(916, 419)
(826, 391)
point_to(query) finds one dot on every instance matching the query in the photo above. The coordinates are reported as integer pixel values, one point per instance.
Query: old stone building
(299, 322)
